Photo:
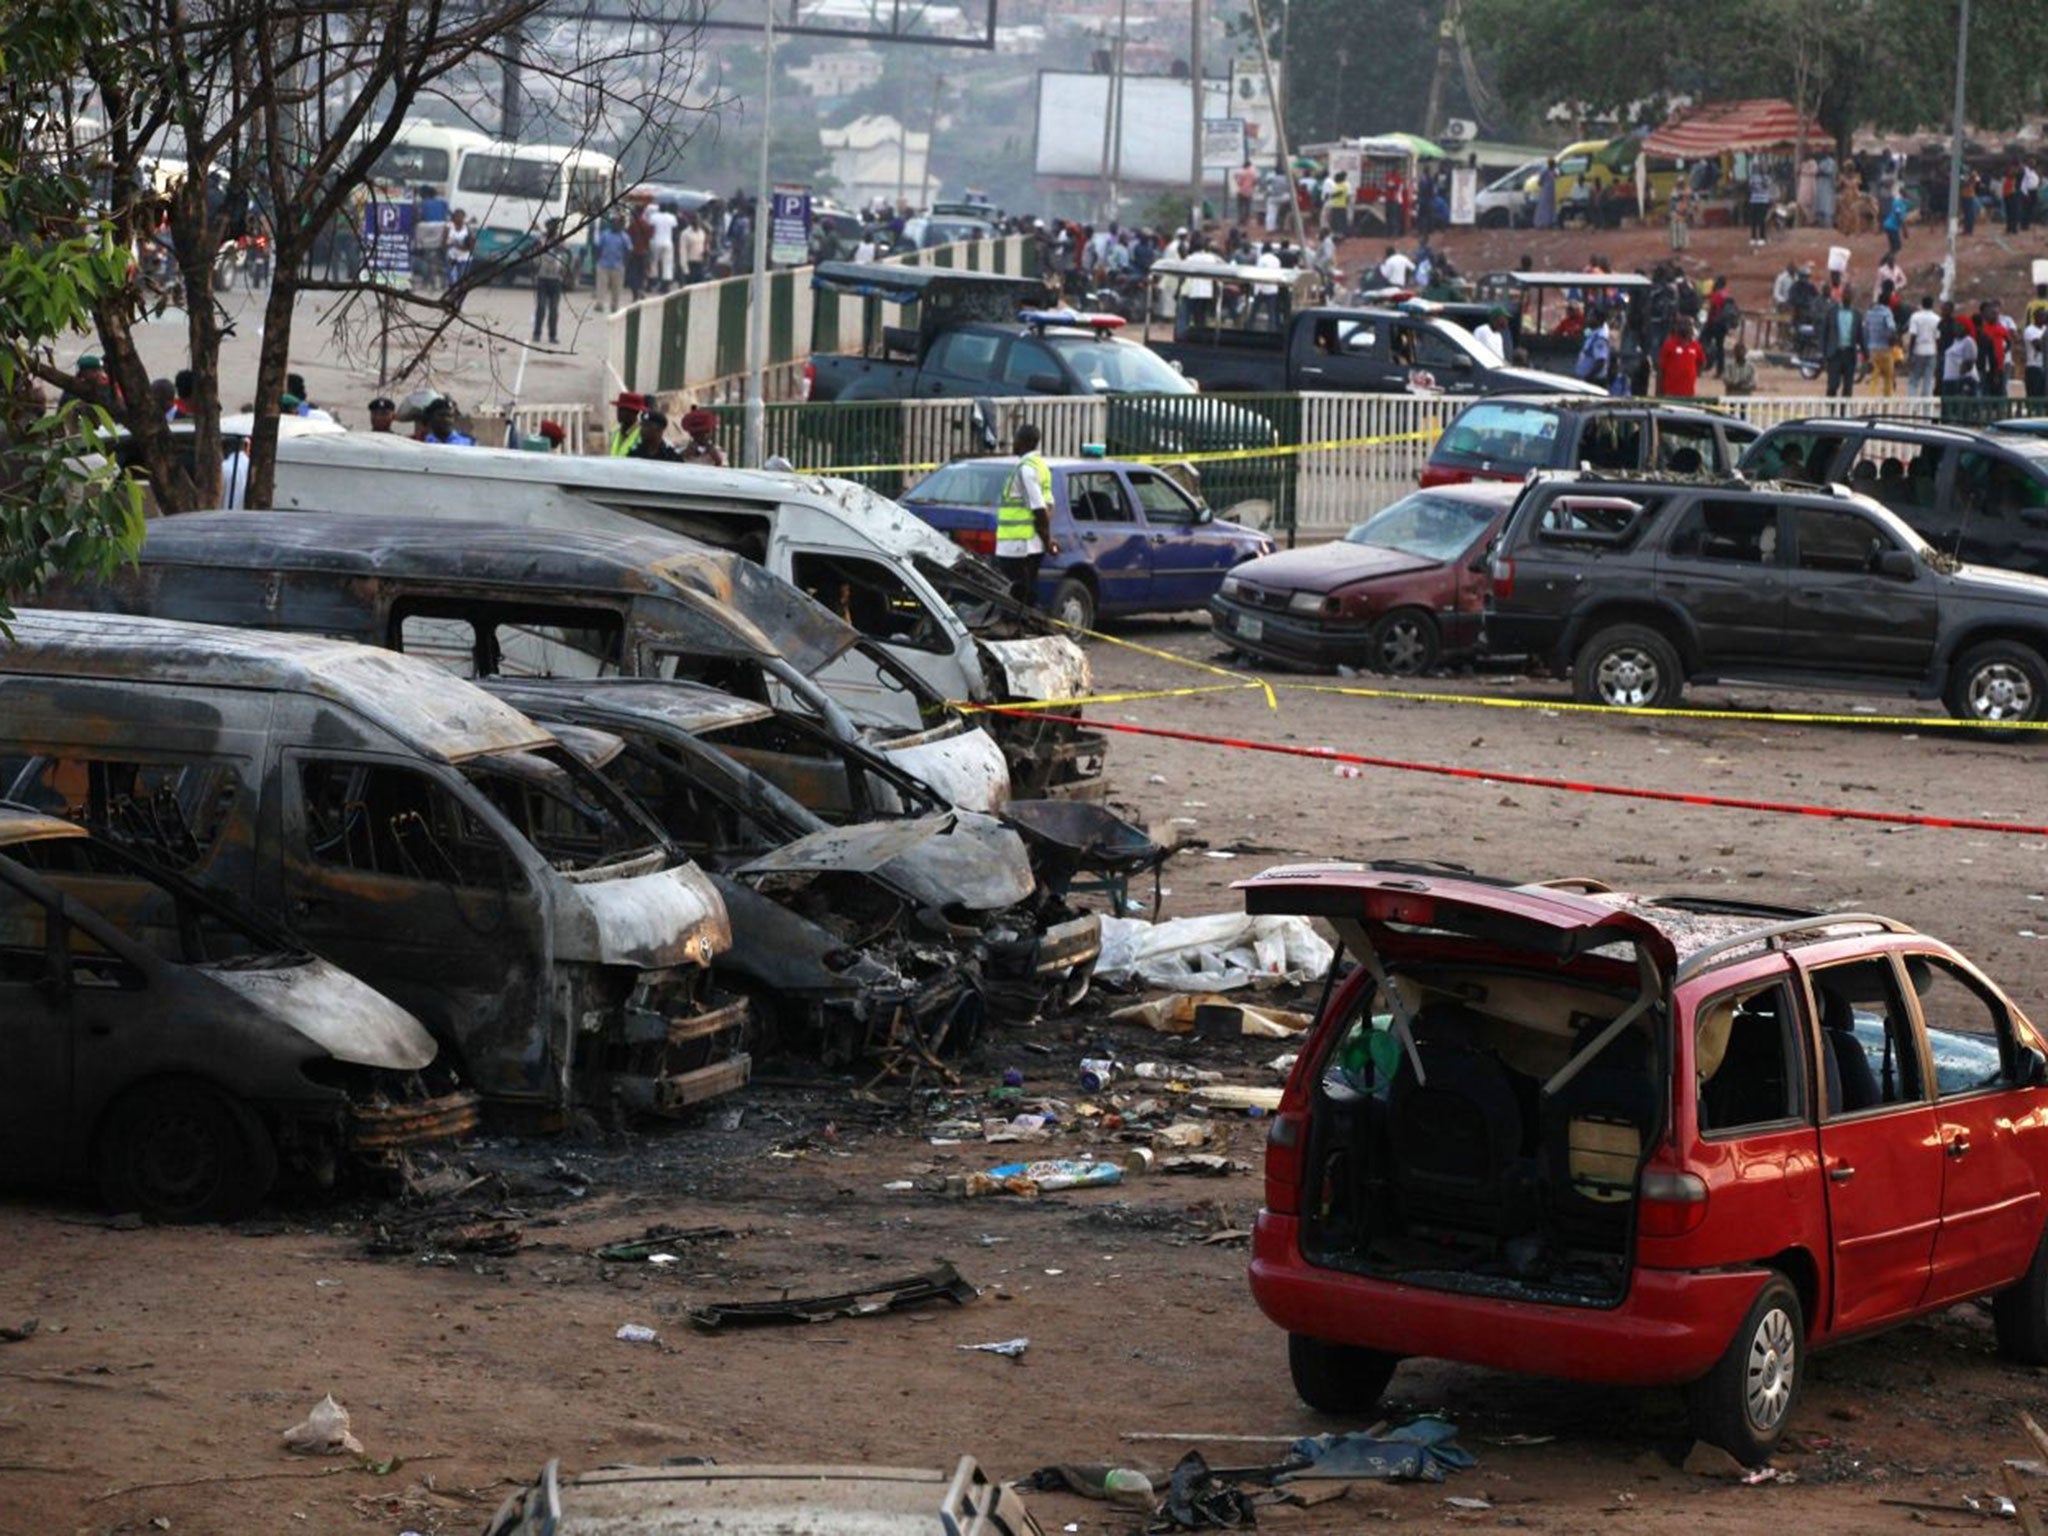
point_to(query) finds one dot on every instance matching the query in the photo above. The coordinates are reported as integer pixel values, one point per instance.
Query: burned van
(400, 823)
(895, 877)
(180, 1056)
(486, 600)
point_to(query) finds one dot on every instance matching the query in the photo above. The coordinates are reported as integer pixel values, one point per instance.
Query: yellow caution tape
(1237, 679)
(1764, 716)
(1283, 450)
(1129, 697)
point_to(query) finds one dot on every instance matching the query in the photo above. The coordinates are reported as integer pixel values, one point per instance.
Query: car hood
(348, 1020)
(1537, 381)
(1326, 567)
(959, 858)
(1989, 581)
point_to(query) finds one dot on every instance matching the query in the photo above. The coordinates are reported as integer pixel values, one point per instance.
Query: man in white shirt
(663, 248)
(867, 250)
(2035, 338)
(690, 245)
(1198, 294)
(1923, 346)
(1395, 269)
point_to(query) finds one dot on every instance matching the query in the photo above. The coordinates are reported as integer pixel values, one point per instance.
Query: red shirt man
(1678, 365)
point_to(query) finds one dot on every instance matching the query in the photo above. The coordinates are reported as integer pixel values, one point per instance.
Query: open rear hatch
(1477, 1103)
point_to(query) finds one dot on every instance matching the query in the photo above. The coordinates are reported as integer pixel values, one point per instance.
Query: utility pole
(757, 289)
(1116, 114)
(1279, 120)
(931, 137)
(1201, 17)
(508, 85)
(1955, 152)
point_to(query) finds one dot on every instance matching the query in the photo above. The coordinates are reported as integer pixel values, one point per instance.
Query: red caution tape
(1540, 781)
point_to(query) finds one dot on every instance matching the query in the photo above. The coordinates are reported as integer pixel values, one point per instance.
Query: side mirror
(1046, 384)
(1898, 563)
(1205, 514)
(2033, 1067)
(1481, 563)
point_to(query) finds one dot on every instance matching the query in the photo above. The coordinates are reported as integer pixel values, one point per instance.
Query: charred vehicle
(177, 1055)
(880, 569)
(405, 826)
(486, 600)
(872, 915)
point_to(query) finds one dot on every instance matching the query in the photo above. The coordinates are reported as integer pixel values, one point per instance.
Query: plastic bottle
(1132, 1489)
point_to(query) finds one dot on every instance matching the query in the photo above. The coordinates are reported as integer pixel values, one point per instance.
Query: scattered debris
(1423, 1450)
(1206, 1165)
(1132, 1487)
(20, 1332)
(1030, 1180)
(636, 1333)
(1256, 1101)
(1463, 1501)
(942, 1282)
(1219, 952)
(1758, 1475)
(1208, 1013)
(1009, 1349)
(323, 1432)
(657, 1242)
(1197, 1501)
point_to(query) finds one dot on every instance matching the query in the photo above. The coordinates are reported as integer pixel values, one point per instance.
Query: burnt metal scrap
(942, 1282)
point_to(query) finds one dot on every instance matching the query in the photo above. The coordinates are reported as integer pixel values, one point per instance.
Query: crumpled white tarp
(1219, 952)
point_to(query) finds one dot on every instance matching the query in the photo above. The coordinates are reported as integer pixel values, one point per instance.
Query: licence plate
(1251, 628)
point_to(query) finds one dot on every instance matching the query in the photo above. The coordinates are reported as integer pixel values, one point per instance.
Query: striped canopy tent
(1733, 127)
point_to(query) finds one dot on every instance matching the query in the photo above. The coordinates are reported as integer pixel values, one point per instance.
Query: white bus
(425, 154)
(510, 191)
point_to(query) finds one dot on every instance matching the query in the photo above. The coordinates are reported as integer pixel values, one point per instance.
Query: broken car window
(1969, 1035)
(510, 639)
(1746, 1060)
(1604, 519)
(1868, 1058)
(1842, 542)
(378, 819)
(871, 597)
(1740, 532)
(172, 812)
(561, 806)
(39, 946)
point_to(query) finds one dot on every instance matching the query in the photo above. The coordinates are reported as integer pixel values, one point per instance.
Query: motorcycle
(242, 256)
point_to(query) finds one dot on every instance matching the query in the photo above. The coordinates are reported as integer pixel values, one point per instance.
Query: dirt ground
(167, 1361)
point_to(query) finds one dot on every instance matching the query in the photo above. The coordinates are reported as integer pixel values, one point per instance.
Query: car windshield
(1435, 527)
(1517, 178)
(969, 484)
(1508, 435)
(1120, 367)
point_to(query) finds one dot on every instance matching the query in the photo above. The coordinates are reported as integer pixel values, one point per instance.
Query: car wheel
(1339, 1379)
(1073, 603)
(1405, 642)
(2019, 1314)
(1744, 1403)
(182, 1152)
(1495, 218)
(1628, 666)
(2000, 681)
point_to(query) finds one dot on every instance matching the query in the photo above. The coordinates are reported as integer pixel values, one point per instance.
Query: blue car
(1131, 539)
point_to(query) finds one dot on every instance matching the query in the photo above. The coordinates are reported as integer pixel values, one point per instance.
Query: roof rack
(1773, 935)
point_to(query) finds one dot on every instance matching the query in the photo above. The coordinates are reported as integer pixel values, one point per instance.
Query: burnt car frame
(181, 1057)
(1399, 593)
(402, 824)
(860, 900)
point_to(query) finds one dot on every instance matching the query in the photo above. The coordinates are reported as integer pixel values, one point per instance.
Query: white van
(884, 571)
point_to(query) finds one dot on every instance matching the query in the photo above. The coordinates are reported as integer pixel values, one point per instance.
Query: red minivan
(1562, 1130)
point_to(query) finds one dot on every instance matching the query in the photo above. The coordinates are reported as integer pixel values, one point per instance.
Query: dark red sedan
(1398, 593)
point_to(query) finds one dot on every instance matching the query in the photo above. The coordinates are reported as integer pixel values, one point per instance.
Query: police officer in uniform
(1023, 518)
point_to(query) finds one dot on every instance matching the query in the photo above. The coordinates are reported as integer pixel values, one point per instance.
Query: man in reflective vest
(1023, 525)
(626, 411)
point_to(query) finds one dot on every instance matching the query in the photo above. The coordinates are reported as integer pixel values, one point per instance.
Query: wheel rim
(2001, 691)
(1628, 676)
(178, 1161)
(1773, 1358)
(1404, 648)
(1074, 611)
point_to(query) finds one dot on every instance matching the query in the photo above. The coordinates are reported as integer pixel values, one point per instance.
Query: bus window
(590, 189)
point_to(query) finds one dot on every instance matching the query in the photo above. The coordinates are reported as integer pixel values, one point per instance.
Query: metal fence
(1352, 454)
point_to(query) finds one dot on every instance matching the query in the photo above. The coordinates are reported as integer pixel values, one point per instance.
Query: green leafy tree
(66, 507)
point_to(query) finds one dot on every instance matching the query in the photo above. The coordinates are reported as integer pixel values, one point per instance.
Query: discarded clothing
(1422, 1451)
(1196, 1501)
(1218, 952)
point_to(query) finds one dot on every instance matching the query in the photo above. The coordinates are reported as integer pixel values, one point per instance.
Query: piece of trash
(1231, 1096)
(661, 1239)
(1196, 1501)
(323, 1432)
(18, 1333)
(1013, 1077)
(1346, 771)
(1523, 1440)
(1138, 1161)
(1208, 1165)
(2029, 1468)
(1183, 1135)
(1758, 1475)
(1423, 1450)
(1029, 1180)
(898, 1186)
(1131, 1487)
(1186, 1012)
(1283, 1064)
(1155, 778)
(1173, 1072)
(663, 1259)
(636, 1333)
(1097, 1073)
(1216, 952)
(1009, 1349)
(1462, 1501)
(942, 1282)
(1218, 853)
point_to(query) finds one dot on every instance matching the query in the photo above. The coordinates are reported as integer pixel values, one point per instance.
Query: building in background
(872, 158)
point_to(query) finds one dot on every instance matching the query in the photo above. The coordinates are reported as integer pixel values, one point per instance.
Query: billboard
(1158, 126)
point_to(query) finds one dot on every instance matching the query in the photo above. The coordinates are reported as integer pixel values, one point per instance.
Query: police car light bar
(1094, 322)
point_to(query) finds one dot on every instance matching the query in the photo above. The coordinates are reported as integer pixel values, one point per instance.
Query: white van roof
(432, 711)
(650, 482)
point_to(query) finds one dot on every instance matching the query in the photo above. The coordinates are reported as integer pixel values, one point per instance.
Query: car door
(1990, 1127)
(2002, 505)
(1030, 367)
(1448, 366)
(1113, 538)
(1879, 1145)
(1344, 353)
(1844, 611)
(1187, 565)
(961, 363)
(1722, 566)
(38, 1026)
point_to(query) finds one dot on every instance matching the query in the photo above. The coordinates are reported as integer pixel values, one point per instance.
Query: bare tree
(198, 115)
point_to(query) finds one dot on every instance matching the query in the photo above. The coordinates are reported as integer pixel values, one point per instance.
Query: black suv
(1979, 496)
(1505, 436)
(1636, 586)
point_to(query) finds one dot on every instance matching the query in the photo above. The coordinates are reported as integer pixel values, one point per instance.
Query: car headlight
(1229, 587)
(1311, 602)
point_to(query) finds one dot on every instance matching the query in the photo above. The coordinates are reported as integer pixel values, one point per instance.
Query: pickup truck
(1378, 351)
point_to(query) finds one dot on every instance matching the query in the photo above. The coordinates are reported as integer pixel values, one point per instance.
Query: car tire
(1628, 665)
(1744, 1403)
(1404, 643)
(1496, 218)
(2019, 1314)
(2000, 680)
(1339, 1379)
(1073, 603)
(180, 1151)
